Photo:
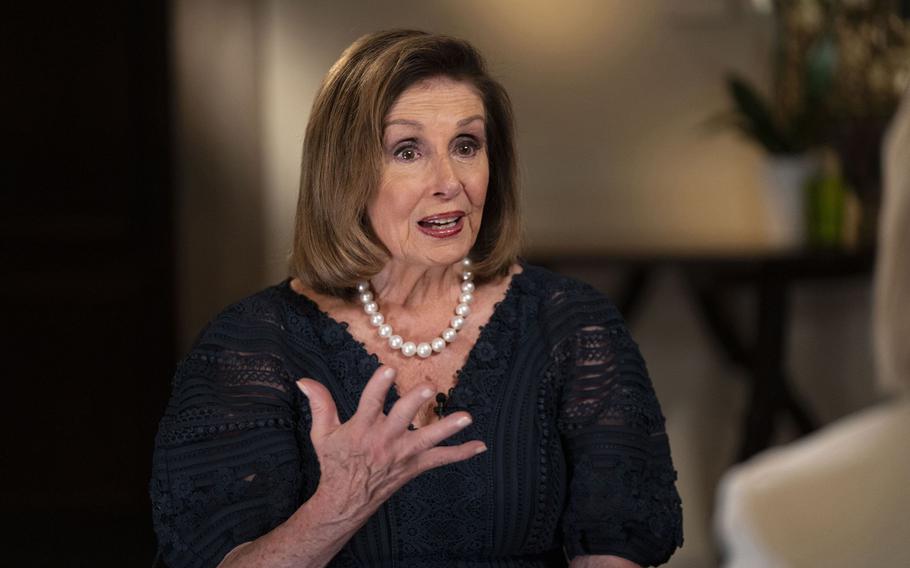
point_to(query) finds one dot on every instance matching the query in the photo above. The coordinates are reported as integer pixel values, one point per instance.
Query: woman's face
(429, 204)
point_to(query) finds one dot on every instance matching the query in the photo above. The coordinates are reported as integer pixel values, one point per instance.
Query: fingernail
(463, 421)
(480, 450)
(302, 388)
(389, 372)
(426, 393)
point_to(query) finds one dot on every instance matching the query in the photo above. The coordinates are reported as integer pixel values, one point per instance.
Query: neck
(410, 286)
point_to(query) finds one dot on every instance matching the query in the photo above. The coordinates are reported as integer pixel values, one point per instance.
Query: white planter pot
(785, 180)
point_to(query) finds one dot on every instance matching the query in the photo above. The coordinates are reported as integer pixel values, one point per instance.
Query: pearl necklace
(424, 349)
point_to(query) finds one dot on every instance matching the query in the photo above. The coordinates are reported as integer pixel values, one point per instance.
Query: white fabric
(838, 498)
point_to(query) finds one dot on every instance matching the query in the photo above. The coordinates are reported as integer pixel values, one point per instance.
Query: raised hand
(366, 459)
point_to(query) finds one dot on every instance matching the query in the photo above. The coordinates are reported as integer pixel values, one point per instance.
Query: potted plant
(840, 68)
(788, 162)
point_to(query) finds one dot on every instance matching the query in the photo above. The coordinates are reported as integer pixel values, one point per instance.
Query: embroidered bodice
(578, 460)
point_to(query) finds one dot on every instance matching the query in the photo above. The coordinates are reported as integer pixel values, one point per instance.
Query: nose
(447, 183)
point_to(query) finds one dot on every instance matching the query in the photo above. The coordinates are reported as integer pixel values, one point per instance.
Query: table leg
(770, 393)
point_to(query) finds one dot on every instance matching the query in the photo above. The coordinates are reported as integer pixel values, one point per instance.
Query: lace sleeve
(226, 467)
(622, 494)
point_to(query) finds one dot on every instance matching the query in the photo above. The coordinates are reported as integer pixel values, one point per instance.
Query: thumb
(325, 414)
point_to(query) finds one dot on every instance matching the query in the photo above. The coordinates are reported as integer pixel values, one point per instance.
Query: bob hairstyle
(334, 243)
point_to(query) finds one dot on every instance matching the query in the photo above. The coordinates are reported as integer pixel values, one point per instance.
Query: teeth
(442, 222)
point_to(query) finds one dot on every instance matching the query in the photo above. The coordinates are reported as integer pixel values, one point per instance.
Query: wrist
(325, 513)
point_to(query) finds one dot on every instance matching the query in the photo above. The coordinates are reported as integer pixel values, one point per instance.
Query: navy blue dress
(578, 460)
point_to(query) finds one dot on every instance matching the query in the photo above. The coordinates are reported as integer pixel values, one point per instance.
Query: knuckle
(439, 460)
(398, 414)
(422, 444)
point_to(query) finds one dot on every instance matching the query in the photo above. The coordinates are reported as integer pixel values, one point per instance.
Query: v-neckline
(363, 353)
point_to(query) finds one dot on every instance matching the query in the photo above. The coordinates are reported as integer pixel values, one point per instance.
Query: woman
(519, 429)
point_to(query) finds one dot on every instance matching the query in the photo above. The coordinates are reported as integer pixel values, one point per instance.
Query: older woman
(414, 395)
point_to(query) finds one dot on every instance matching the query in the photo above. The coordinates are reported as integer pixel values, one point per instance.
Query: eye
(466, 147)
(406, 152)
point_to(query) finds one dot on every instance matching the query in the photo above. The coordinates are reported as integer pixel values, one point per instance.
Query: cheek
(477, 188)
(388, 208)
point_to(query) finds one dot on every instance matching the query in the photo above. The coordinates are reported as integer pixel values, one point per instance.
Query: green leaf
(757, 120)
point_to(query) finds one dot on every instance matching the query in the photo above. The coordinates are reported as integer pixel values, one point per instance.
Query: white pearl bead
(438, 344)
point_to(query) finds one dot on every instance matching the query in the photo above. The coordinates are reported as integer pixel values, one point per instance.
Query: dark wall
(87, 292)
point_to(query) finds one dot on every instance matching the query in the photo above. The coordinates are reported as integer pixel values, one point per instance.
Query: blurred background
(711, 164)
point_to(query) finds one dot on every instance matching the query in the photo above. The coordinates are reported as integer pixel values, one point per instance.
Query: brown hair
(334, 244)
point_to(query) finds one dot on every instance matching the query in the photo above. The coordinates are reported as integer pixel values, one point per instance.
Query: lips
(442, 225)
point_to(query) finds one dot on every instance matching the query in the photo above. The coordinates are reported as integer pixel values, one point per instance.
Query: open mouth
(442, 225)
(448, 223)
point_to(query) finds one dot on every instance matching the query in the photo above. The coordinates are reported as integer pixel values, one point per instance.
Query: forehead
(437, 98)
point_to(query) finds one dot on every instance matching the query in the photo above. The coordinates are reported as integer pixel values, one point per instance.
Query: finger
(429, 436)
(444, 455)
(403, 412)
(325, 414)
(374, 394)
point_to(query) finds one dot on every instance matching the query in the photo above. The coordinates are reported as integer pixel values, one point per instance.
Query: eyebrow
(469, 120)
(405, 122)
(415, 124)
